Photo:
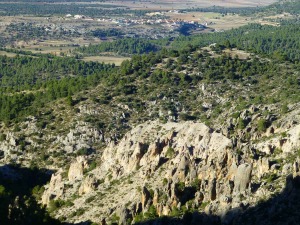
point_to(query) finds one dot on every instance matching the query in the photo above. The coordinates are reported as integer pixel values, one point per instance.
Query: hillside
(198, 130)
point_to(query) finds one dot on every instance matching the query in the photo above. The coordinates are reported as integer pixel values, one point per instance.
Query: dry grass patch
(234, 52)
(117, 60)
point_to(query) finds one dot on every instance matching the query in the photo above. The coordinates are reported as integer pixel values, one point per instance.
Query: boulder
(263, 166)
(88, 185)
(242, 178)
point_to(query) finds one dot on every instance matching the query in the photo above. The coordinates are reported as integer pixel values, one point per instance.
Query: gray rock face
(145, 199)
(124, 214)
(176, 165)
(242, 178)
(82, 136)
(192, 140)
(54, 190)
(212, 192)
(88, 185)
(77, 168)
(263, 166)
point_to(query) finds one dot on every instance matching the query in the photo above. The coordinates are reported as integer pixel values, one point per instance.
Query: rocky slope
(176, 142)
(169, 169)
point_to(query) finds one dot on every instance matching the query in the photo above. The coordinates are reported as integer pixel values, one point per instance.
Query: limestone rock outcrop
(54, 189)
(88, 185)
(76, 169)
(178, 166)
(242, 178)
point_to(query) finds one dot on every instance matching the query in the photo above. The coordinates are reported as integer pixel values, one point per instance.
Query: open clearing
(55, 47)
(8, 54)
(117, 60)
(218, 21)
(235, 52)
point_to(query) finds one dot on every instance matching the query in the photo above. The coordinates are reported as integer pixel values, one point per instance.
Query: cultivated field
(218, 21)
(178, 4)
(56, 46)
(77, 30)
(117, 60)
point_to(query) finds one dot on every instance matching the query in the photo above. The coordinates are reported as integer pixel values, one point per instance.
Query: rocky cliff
(163, 169)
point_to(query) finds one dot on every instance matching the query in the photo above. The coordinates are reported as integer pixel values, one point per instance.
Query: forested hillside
(288, 6)
(35, 82)
(282, 6)
(89, 9)
(45, 79)
(122, 46)
(280, 42)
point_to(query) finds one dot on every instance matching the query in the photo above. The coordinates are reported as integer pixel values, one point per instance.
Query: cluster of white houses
(141, 21)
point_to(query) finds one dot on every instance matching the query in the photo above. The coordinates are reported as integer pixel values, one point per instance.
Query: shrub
(241, 124)
(37, 191)
(41, 124)
(262, 125)
(55, 204)
(270, 178)
(93, 165)
(2, 191)
(203, 205)
(196, 184)
(235, 115)
(82, 151)
(170, 152)
(175, 212)
(114, 218)
(180, 186)
(186, 117)
(284, 109)
(70, 101)
(90, 199)
(151, 213)
(165, 181)
(2, 137)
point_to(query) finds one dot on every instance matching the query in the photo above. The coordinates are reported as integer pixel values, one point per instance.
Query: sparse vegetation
(170, 152)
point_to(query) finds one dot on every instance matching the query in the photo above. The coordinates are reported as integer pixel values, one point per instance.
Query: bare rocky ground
(179, 165)
(168, 167)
